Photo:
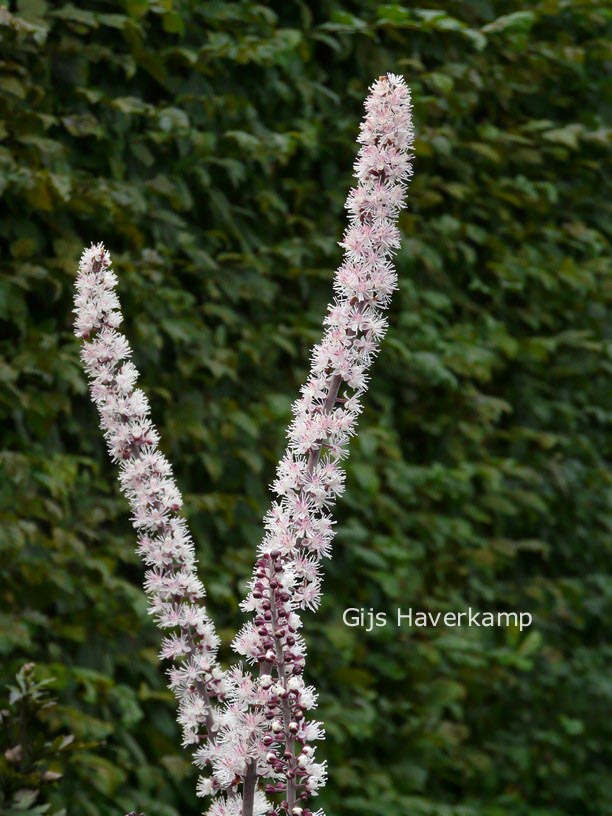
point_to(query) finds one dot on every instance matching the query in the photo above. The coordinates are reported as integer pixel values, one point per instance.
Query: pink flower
(145, 476)
(298, 528)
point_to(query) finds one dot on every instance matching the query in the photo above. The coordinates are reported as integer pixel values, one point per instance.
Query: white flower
(164, 544)
(204, 786)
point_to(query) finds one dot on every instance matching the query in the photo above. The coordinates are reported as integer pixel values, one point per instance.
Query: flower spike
(299, 526)
(164, 543)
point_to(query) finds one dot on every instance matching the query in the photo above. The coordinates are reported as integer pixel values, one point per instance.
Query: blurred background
(210, 146)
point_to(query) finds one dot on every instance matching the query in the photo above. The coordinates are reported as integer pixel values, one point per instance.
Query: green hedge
(210, 145)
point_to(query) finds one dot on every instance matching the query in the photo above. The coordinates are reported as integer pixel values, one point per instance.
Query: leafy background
(210, 145)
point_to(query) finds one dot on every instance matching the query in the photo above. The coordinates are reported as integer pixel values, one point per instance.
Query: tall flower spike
(145, 475)
(299, 527)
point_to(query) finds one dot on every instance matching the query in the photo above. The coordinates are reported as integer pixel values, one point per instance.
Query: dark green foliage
(210, 144)
(29, 753)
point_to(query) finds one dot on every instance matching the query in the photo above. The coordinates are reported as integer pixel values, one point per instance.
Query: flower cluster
(310, 476)
(251, 730)
(280, 695)
(164, 543)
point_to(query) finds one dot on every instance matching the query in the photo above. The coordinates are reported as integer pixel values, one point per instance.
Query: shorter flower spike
(145, 475)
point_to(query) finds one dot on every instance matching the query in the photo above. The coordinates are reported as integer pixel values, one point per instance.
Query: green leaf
(516, 22)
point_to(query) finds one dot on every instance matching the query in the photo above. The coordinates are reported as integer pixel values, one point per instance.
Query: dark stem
(201, 689)
(248, 789)
(330, 401)
(286, 708)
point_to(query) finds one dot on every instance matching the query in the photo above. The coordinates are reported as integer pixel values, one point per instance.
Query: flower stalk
(310, 477)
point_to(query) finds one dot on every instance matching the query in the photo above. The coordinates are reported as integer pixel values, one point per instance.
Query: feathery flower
(299, 527)
(145, 475)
